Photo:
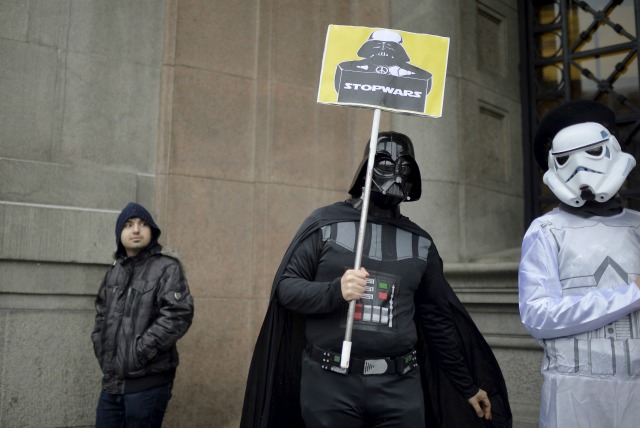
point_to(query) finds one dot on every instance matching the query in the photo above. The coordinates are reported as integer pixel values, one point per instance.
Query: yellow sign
(386, 69)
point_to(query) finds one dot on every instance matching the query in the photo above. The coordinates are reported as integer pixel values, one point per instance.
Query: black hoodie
(143, 307)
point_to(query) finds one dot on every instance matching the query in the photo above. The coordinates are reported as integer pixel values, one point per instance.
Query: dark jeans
(331, 400)
(137, 410)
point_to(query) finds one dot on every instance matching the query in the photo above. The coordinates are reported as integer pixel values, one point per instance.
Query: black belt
(370, 366)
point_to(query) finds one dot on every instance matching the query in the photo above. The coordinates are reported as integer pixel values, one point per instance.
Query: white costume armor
(579, 299)
(577, 279)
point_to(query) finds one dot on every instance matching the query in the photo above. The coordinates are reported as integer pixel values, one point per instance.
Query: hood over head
(130, 211)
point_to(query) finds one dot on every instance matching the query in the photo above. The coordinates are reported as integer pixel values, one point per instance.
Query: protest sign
(392, 70)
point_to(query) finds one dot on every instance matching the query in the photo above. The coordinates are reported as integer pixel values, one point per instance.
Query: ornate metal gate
(572, 50)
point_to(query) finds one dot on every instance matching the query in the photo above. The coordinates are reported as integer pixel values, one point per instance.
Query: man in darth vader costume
(417, 359)
(579, 290)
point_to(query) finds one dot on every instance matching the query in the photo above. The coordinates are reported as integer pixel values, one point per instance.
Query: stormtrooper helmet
(585, 162)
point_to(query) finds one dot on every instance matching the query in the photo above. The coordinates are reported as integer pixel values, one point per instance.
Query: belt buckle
(331, 362)
(373, 367)
(407, 362)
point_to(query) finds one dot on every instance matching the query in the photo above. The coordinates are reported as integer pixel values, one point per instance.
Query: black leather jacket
(143, 307)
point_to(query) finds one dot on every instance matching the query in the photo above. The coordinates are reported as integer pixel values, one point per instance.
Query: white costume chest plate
(592, 255)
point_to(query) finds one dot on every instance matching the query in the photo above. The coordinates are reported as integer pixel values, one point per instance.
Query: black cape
(272, 394)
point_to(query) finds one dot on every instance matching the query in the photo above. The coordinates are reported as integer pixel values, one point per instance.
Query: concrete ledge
(23, 277)
(491, 283)
(526, 414)
(512, 342)
(69, 185)
(56, 233)
(15, 302)
(506, 267)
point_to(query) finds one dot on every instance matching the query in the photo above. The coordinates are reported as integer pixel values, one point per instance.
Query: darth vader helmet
(395, 176)
(384, 47)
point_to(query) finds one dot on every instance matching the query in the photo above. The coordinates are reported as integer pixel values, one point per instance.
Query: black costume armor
(408, 321)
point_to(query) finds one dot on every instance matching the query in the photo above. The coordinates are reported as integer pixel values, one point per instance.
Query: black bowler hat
(569, 113)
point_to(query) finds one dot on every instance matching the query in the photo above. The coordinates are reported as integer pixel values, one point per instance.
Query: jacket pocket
(137, 355)
(139, 300)
(138, 310)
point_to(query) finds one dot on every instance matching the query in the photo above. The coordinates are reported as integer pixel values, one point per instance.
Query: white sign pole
(373, 142)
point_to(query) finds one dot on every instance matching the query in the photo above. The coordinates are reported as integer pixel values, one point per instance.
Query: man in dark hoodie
(143, 307)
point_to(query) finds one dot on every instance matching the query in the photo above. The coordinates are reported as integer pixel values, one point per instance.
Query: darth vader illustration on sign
(391, 70)
(383, 76)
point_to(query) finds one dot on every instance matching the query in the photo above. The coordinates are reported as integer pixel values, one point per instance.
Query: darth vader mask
(395, 176)
(384, 47)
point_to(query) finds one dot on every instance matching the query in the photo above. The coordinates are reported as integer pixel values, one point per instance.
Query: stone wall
(79, 84)
(205, 112)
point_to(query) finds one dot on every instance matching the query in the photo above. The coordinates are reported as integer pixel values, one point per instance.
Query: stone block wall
(80, 85)
(205, 112)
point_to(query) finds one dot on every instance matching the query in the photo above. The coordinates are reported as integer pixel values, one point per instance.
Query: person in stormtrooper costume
(417, 358)
(578, 279)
